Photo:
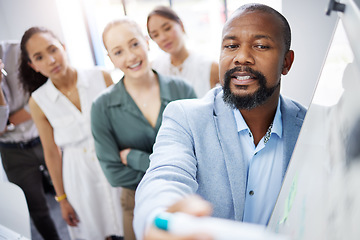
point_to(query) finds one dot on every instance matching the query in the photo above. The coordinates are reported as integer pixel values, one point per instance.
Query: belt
(21, 145)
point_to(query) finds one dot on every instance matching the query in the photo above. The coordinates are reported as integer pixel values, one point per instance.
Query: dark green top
(117, 123)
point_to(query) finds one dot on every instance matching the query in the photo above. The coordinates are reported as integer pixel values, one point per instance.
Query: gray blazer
(197, 151)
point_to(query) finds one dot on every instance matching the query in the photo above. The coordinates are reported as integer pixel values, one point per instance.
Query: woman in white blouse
(167, 30)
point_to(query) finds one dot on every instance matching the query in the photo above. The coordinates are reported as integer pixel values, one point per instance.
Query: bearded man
(233, 146)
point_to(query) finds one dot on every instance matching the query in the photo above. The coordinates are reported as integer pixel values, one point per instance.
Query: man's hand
(193, 205)
(19, 116)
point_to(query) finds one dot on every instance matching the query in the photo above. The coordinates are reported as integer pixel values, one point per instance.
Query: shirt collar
(277, 123)
(54, 93)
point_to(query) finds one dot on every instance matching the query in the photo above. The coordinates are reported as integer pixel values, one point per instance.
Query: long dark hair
(30, 79)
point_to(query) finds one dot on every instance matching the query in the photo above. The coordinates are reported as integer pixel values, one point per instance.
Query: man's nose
(244, 56)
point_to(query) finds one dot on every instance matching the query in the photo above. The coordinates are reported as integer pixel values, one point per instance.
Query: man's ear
(32, 66)
(288, 61)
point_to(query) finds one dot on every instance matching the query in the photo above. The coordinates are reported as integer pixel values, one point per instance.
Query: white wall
(312, 30)
(63, 17)
(18, 15)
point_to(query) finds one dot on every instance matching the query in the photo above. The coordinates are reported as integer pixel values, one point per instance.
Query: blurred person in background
(4, 108)
(20, 147)
(167, 30)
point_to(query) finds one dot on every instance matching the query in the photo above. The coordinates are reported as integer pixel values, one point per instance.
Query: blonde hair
(117, 22)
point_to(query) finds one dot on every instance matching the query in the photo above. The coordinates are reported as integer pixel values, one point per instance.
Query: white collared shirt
(264, 169)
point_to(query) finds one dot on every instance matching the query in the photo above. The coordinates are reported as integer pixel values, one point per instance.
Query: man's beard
(249, 101)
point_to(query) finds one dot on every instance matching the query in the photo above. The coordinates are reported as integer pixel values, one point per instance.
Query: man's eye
(117, 53)
(262, 47)
(231, 46)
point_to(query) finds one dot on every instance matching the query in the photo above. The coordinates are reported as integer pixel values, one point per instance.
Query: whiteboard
(320, 197)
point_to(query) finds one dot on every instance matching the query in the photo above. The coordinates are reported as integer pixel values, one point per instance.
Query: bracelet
(60, 198)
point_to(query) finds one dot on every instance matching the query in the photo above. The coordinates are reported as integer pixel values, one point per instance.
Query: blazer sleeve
(172, 171)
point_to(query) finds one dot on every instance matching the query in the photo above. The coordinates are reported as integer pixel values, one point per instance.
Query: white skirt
(96, 202)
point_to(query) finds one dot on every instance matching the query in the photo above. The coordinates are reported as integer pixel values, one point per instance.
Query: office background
(79, 23)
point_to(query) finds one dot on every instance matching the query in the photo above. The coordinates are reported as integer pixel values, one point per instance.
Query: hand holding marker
(4, 72)
(221, 229)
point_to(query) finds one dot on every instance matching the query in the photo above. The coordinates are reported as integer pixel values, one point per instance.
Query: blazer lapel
(229, 142)
(291, 128)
